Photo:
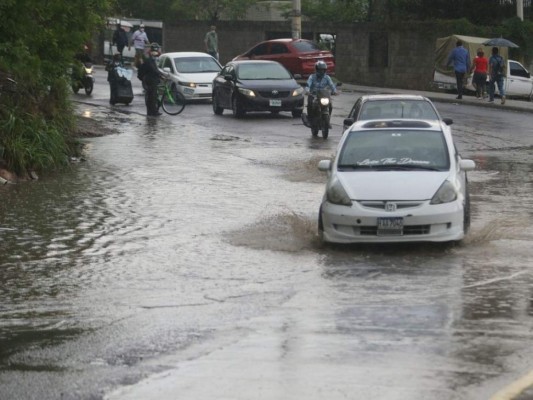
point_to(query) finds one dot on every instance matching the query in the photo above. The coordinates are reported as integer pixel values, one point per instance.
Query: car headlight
(446, 194)
(336, 194)
(247, 92)
(324, 101)
(297, 92)
(188, 84)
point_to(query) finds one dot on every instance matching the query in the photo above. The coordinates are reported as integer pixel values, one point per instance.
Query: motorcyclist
(81, 59)
(319, 80)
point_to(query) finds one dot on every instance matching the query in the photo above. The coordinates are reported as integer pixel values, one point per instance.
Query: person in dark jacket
(151, 78)
(112, 76)
(120, 39)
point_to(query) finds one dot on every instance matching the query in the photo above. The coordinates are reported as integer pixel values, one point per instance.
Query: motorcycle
(320, 113)
(82, 77)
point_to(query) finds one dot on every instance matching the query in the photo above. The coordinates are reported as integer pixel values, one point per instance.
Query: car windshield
(262, 71)
(391, 109)
(305, 46)
(394, 149)
(196, 64)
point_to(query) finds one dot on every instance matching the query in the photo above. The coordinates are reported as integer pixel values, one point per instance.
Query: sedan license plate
(188, 91)
(275, 103)
(390, 226)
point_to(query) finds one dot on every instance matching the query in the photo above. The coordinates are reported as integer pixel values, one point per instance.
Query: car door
(225, 82)
(519, 82)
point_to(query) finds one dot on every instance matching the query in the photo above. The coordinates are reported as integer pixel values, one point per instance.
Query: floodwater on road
(184, 250)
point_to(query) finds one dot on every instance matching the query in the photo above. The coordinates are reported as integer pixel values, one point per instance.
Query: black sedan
(256, 86)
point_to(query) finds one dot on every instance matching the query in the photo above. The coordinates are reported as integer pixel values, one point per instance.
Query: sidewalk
(522, 105)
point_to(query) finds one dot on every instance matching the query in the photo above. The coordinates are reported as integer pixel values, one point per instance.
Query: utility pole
(520, 9)
(296, 19)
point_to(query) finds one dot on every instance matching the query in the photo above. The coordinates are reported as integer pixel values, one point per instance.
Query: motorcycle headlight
(336, 193)
(446, 194)
(247, 92)
(324, 101)
(89, 70)
(187, 84)
(297, 92)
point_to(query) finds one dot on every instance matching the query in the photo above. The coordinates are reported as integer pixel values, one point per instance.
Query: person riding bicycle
(151, 77)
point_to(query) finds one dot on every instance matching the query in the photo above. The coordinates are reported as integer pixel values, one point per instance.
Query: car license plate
(390, 226)
(275, 103)
(188, 91)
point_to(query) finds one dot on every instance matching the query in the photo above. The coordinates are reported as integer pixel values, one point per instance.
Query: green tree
(336, 10)
(167, 10)
(39, 41)
(209, 10)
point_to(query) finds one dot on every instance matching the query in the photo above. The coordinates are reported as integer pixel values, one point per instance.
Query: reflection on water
(168, 234)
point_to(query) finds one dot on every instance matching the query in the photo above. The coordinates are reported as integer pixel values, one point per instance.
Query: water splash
(284, 231)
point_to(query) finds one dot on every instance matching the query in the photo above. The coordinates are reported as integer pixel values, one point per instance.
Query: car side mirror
(447, 121)
(297, 76)
(167, 69)
(348, 121)
(324, 165)
(467, 165)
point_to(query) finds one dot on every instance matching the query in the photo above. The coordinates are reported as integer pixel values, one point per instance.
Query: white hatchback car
(395, 181)
(192, 72)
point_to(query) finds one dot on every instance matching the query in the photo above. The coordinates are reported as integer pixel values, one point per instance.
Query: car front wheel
(466, 215)
(236, 107)
(216, 108)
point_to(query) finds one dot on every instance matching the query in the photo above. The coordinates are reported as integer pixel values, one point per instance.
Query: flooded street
(182, 260)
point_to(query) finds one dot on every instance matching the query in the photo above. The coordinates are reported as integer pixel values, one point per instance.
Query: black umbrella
(499, 42)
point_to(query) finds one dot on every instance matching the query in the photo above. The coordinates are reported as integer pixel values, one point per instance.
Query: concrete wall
(371, 54)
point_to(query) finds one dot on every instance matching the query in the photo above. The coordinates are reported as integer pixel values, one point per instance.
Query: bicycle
(169, 98)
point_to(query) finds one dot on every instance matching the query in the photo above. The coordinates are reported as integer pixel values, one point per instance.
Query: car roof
(381, 124)
(371, 97)
(286, 40)
(240, 62)
(179, 54)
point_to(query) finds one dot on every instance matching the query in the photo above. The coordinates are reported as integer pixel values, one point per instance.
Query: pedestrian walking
(480, 68)
(211, 42)
(496, 74)
(460, 59)
(139, 40)
(120, 39)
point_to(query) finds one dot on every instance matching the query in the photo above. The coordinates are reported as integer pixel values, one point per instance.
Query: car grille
(407, 230)
(271, 95)
(380, 205)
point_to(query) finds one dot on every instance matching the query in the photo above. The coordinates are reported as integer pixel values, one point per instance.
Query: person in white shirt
(139, 39)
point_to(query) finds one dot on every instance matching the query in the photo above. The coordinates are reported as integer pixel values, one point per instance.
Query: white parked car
(395, 181)
(192, 72)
